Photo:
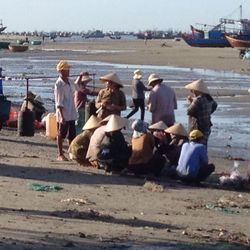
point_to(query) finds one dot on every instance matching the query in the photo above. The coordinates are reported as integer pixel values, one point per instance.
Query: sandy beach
(92, 210)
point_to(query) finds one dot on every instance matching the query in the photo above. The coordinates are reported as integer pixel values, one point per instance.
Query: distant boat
(216, 36)
(211, 38)
(18, 47)
(95, 34)
(36, 42)
(236, 42)
(114, 37)
(4, 44)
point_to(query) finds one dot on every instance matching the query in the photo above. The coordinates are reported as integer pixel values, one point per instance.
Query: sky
(116, 15)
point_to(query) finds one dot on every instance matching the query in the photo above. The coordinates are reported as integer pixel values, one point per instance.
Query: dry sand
(98, 211)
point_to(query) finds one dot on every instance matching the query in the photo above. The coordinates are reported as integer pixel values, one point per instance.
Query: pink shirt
(162, 103)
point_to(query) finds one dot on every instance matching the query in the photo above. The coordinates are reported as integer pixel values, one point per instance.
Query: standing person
(110, 100)
(162, 101)
(80, 99)
(35, 104)
(65, 108)
(200, 108)
(138, 96)
(193, 163)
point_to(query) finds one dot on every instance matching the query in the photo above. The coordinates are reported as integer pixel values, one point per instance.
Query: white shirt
(64, 98)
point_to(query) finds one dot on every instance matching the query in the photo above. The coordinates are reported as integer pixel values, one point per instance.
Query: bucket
(13, 116)
(51, 126)
(25, 123)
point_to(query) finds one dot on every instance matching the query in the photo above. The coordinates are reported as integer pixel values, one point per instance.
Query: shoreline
(134, 51)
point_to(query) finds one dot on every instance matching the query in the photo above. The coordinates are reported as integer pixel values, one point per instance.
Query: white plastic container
(51, 126)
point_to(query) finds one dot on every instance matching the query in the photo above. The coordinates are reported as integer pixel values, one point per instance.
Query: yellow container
(51, 126)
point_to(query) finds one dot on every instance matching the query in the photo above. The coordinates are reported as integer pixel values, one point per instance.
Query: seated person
(114, 153)
(79, 146)
(178, 136)
(193, 163)
(95, 143)
(160, 137)
(143, 160)
(34, 103)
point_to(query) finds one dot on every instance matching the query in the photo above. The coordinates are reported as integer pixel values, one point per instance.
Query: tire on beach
(25, 123)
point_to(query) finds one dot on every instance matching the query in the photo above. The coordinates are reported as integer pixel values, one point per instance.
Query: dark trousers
(138, 103)
(154, 166)
(204, 172)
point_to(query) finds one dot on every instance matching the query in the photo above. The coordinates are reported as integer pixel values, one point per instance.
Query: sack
(5, 106)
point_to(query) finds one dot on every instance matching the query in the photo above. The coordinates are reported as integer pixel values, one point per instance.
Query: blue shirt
(193, 155)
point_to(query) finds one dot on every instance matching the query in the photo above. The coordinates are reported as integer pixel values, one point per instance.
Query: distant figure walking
(138, 96)
(162, 101)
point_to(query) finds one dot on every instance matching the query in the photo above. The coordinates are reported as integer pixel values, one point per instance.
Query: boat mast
(240, 12)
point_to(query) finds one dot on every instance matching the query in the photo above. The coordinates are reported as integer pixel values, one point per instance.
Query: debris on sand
(153, 187)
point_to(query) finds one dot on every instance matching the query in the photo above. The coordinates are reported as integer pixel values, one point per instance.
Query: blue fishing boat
(211, 38)
(216, 36)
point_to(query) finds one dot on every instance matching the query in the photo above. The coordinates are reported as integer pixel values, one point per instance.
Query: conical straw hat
(92, 122)
(105, 120)
(113, 78)
(158, 126)
(115, 123)
(198, 85)
(177, 129)
(154, 77)
(39, 99)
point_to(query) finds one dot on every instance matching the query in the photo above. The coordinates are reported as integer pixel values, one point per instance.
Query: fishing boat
(18, 47)
(237, 42)
(201, 38)
(4, 44)
(215, 36)
(94, 34)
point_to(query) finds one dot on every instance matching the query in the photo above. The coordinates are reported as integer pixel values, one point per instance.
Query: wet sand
(120, 212)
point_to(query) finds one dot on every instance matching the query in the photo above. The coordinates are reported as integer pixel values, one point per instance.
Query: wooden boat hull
(238, 43)
(18, 47)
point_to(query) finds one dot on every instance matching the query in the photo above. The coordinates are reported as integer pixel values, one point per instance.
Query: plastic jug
(51, 126)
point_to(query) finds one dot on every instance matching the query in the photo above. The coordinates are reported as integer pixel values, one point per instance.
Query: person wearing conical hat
(160, 137)
(179, 136)
(143, 160)
(95, 142)
(114, 153)
(79, 146)
(138, 96)
(193, 164)
(110, 100)
(65, 108)
(34, 103)
(200, 107)
(80, 98)
(162, 101)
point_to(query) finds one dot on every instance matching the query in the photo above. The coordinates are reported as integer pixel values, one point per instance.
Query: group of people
(163, 145)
